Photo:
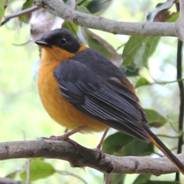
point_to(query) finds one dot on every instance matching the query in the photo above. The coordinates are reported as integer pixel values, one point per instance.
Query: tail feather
(158, 143)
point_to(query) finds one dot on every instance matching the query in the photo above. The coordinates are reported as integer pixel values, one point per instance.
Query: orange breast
(58, 108)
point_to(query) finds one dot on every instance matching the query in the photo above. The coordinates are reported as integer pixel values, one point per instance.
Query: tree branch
(23, 12)
(78, 155)
(59, 8)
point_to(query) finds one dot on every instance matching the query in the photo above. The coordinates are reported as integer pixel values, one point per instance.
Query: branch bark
(78, 155)
(59, 8)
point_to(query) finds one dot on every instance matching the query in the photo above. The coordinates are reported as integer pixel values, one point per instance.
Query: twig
(168, 136)
(165, 6)
(71, 174)
(22, 44)
(167, 82)
(78, 155)
(8, 181)
(27, 170)
(58, 8)
(107, 178)
(23, 12)
(162, 82)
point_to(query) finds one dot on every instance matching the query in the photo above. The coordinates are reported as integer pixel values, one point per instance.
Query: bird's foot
(99, 146)
(66, 135)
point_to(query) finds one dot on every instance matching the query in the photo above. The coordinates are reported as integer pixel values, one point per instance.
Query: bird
(83, 91)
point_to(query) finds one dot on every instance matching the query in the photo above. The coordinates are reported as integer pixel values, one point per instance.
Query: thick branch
(78, 155)
(58, 8)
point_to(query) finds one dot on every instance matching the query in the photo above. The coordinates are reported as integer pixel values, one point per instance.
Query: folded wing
(101, 98)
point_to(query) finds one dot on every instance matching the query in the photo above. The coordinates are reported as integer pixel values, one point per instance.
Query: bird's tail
(158, 143)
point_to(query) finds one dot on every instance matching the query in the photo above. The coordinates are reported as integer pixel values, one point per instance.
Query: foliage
(39, 169)
(2, 8)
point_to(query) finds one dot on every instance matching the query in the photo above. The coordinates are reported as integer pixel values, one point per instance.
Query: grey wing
(100, 98)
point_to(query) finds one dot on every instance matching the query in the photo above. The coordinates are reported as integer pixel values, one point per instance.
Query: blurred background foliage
(148, 61)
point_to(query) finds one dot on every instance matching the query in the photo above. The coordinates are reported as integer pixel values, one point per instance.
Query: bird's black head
(61, 38)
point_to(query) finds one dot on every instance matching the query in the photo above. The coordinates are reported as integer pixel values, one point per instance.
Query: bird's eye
(63, 41)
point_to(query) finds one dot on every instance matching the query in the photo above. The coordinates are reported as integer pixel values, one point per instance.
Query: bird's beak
(42, 43)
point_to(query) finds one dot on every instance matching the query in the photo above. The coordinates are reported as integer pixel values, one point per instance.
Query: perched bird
(82, 90)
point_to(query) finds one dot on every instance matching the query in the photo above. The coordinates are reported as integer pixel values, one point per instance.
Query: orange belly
(60, 109)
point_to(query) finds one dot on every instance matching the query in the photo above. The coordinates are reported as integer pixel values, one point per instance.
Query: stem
(71, 174)
(181, 107)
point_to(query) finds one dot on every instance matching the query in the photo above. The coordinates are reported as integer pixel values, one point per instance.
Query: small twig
(167, 82)
(22, 44)
(158, 154)
(172, 126)
(27, 169)
(155, 81)
(165, 6)
(72, 174)
(168, 136)
(107, 178)
(162, 82)
(8, 181)
(17, 14)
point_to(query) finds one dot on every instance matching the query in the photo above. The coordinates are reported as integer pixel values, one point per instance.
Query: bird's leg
(67, 134)
(102, 139)
(66, 130)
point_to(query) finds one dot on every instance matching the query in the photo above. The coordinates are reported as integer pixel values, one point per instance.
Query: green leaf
(138, 49)
(27, 4)
(94, 6)
(99, 44)
(154, 118)
(173, 17)
(117, 178)
(141, 82)
(115, 142)
(71, 26)
(131, 70)
(82, 9)
(122, 144)
(2, 8)
(136, 147)
(39, 169)
(142, 179)
(97, 6)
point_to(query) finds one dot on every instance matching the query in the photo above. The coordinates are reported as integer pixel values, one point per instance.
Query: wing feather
(100, 98)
